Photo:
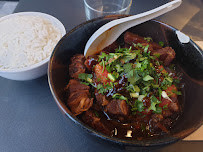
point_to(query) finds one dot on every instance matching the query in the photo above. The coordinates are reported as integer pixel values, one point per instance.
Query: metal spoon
(109, 32)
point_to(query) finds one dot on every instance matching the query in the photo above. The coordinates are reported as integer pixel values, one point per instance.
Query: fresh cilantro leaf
(144, 65)
(99, 86)
(148, 39)
(152, 106)
(154, 102)
(169, 79)
(154, 99)
(140, 106)
(139, 45)
(176, 92)
(85, 83)
(119, 68)
(147, 78)
(102, 56)
(158, 110)
(108, 68)
(146, 48)
(86, 77)
(119, 96)
(137, 106)
(130, 73)
(161, 43)
(176, 80)
(165, 107)
(138, 65)
(127, 67)
(157, 55)
(129, 57)
(165, 84)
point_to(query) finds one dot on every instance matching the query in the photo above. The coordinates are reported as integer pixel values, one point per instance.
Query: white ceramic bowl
(36, 70)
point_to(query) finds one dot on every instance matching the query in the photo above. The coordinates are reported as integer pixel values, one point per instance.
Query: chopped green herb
(160, 93)
(176, 80)
(158, 110)
(111, 77)
(134, 95)
(146, 48)
(176, 92)
(119, 68)
(147, 78)
(85, 77)
(138, 106)
(85, 83)
(161, 43)
(157, 55)
(139, 45)
(96, 113)
(148, 39)
(165, 107)
(119, 96)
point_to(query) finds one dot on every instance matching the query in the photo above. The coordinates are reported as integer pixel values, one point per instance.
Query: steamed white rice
(26, 40)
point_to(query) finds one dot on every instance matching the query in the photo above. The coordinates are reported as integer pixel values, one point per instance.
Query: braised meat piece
(77, 66)
(111, 48)
(156, 122)
(166, 113)
(74, 85)
(91, 61)
(167, 55)
(117, 108)
(167, 122)
(78, 58)
(131, 38)
(157, 117)
(101, 99)
(173, 106)
(79, 97)
(95, 122)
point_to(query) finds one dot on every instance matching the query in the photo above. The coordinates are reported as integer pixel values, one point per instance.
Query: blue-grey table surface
(30, 120)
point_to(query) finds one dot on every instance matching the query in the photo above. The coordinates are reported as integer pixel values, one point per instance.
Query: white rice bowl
(27, 40)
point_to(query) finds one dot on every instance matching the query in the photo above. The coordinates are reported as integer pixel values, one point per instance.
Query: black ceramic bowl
(189, 58)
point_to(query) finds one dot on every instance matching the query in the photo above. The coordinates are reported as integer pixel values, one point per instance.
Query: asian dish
(130, 90)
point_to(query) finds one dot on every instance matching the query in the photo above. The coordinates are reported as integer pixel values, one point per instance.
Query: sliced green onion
(103, 64)
(134, 95)
(111, 77)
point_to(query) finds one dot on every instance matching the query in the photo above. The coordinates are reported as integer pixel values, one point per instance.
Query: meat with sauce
(79, 99)
(117, 108)
(131, 38)
(101, 99)
(125, 115)
(167, 55)
(91, 61)
(95, 122)
(77, 66)
(112, 47)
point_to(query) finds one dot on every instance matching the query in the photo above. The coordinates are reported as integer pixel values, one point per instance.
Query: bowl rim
(54, 21)
(143, 143)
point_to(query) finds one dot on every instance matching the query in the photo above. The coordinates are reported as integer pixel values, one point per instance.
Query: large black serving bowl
(189, 58)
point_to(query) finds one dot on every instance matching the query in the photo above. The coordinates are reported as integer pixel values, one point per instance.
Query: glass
(97, 8)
